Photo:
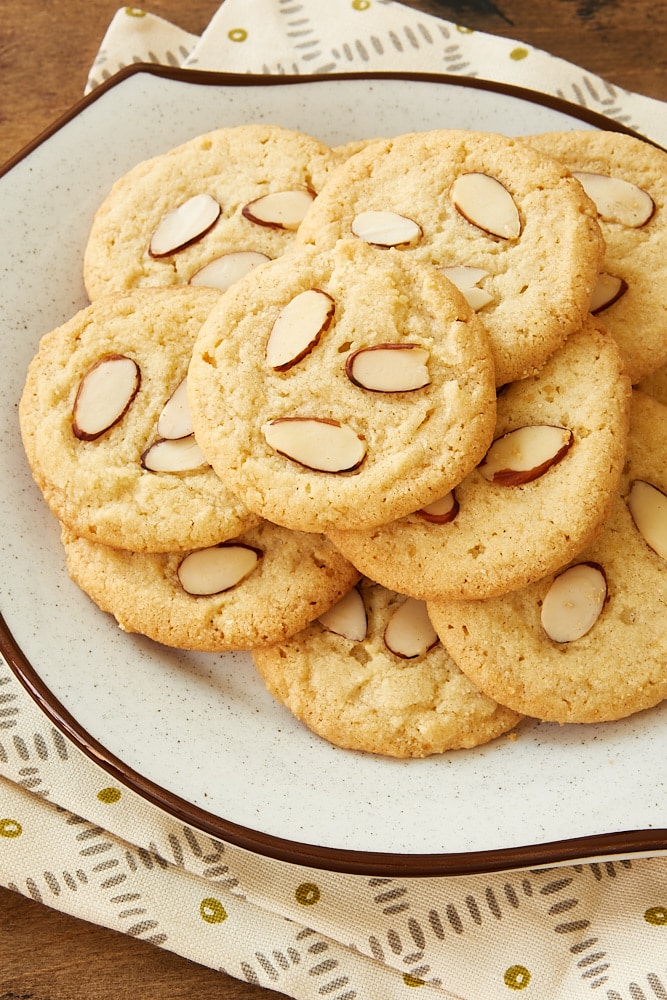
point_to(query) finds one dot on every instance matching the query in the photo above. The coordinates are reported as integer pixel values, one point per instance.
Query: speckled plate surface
(197, 734)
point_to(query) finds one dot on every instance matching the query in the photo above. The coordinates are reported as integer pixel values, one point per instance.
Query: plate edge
(638, 843)
(218, 78)
(632, 842)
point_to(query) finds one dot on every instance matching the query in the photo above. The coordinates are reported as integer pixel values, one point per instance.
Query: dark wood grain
(622, 41)
(45, 955)
(48, 955)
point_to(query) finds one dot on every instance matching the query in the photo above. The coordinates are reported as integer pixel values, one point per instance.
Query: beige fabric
(308, 36)
(74, 839)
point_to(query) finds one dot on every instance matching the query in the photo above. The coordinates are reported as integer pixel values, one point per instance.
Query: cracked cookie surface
(362, 696)
(505, 533)
(234, 167)
(537, 278)
(100, 487)
(407, 445)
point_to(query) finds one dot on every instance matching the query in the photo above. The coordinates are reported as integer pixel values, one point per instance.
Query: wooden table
(45, 955)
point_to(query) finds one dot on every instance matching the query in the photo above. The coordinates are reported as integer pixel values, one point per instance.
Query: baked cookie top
(91, 409)
(537, 498)
(589, 643)
(238, 191)
(345, 387)
(260, 587)
(627, 179)
(522, 229)
(390, 689)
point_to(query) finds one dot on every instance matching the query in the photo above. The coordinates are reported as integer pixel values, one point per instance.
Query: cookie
(360, 694)
(506, 221)
(589, 643)
(342, 388)
(91, 410)
(260, 587)
(655, 384)
(226, 200)
(347, 149)
(511, 522)
(627, 178)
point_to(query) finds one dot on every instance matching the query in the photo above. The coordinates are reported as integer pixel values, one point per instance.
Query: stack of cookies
(372, 414)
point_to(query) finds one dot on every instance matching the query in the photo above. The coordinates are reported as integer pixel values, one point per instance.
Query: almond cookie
(627, 179)
(224, 201)
(655, 384)
(342, 388)
(505, 221)
(588, 643)
(537, 498)
(348, 149)
(371, 675)
(106, 428)
(260, 587)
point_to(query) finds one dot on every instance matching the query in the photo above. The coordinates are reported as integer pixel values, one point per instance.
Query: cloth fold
(75, 840)
(307, 36)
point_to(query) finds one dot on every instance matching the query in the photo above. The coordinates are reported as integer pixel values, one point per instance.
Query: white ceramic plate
(198, 734)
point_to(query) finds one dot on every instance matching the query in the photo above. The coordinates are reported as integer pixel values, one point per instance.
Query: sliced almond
(409, 632)
(224, 271)
(487, 204)
(104, 395)
(389, 367)
(347, 617)
(574, 602)
(648, 506)
(214, 570)
(280, 210)
(175, 420)
(608, 289)
(441, 511)
(319, 444)
(464, 275)
(466, 280)
(298, 328)
(174, 455)
(616, 199)
(386, 229)
(523, 455)
(184, 224)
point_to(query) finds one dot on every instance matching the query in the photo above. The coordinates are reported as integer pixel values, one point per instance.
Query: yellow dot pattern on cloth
(361, 4)
(307, 894)
(517, 977)
(412, 980)
(237, 35)
(109, 795)
(10, 828)
(518, 53)
(212, 910)
(657, 915)
(135, 12)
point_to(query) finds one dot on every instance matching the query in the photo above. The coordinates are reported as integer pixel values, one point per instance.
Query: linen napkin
(308, 36)
(73, 839)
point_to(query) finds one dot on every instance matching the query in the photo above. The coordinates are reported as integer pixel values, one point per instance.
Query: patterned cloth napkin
(310, 36)
(71, 839)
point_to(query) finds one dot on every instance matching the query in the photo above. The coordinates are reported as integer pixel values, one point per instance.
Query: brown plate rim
(217, 78)
(596, 846)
